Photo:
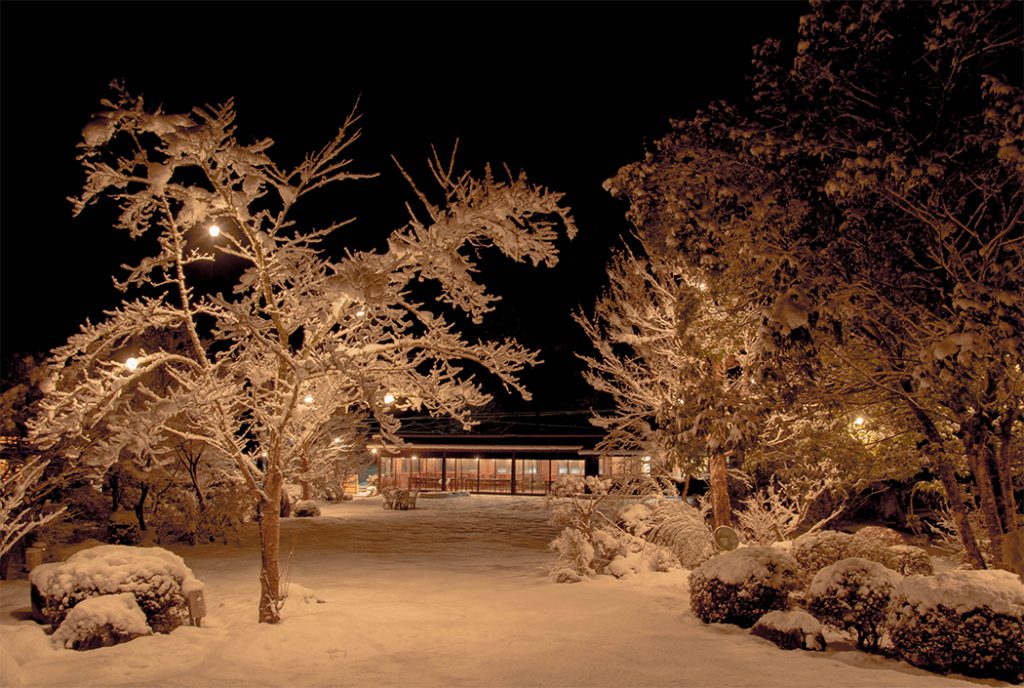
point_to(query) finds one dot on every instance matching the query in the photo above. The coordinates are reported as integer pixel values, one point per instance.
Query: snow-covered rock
(158, 579)
(966, 621)
(793, 630)
(852, 595)
(101, 622)
(742, 585)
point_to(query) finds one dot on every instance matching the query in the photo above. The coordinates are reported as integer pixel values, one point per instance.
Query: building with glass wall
(500, 465)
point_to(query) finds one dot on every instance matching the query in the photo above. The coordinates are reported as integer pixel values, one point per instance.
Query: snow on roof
(1000, 591)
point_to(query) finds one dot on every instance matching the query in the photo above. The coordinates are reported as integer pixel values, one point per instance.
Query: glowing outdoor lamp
(360, 313)
(132, 363)
(214, 231)
(389, 398)
(858, 421)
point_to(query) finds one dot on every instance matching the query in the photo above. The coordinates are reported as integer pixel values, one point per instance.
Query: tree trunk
(976, 444)
(270, 546)
(1002, 461)
(720, 504)
(140, 506)
(947, 476)
(306, 491)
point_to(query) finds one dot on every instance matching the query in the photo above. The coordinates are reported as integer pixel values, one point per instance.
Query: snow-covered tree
(300, 338)
(671, 358)
(869, 196)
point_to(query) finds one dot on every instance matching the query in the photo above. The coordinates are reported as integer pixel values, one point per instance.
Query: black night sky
(567, 92)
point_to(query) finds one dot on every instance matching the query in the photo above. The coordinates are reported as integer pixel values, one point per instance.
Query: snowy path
(451, 594)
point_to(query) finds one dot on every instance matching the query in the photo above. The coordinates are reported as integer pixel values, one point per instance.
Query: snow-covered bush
(815, 551)
(793, 630)
(306, 508)
(575, 556)
(886, 537)
(852, 595)
(101, 622)
(971, 622)
(907, 560)
(158, 579)
(605, 531)
(743, 585)
(226, 507)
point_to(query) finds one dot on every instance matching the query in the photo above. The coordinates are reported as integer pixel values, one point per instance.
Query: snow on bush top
(867, 573)
(764, 564)
(1000, 591)
(107, 567)
(121, 612)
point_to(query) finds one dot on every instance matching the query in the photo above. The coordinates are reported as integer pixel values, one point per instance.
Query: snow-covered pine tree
(298, 329)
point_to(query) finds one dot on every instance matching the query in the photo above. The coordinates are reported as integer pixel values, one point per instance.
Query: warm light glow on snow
(389, 398)
(360, 313)
(308, 399)
(131, 363)
(214, 230)
(337, 440)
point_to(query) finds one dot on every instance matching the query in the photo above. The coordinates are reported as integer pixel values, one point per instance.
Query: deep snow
(453, 593)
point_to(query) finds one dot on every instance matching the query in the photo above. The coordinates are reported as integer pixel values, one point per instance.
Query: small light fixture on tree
(360, 313)
(214, 231)
(132, 363)
(389, 398)
(858, 421)
(308, 399)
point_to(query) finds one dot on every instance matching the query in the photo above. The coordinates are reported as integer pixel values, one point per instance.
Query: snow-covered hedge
(743, 585)
(852, 595)
(815, 551)
(158, 579)
(306, 508)
(793, 630)
(971, 622)
(101, 622)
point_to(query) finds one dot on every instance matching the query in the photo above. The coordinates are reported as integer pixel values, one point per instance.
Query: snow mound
(101, 622)
(301, 592)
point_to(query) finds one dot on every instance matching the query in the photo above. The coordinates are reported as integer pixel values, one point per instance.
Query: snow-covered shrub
(793, 630)
(743, 585)
(871, 549)
(122, 533)
(971, 622)
(575, 556)
(682, 529)
(852, 595)
(101, 622)
(306, 508)
(226, 507)
(637, 518)
(907, 560)
(886, 537)
(815, 551)
(157, 578)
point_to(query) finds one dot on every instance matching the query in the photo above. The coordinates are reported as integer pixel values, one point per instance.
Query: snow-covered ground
(453, 593)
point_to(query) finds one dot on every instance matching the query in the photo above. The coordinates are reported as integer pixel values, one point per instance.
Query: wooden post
(513, 473)
(444, 471)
